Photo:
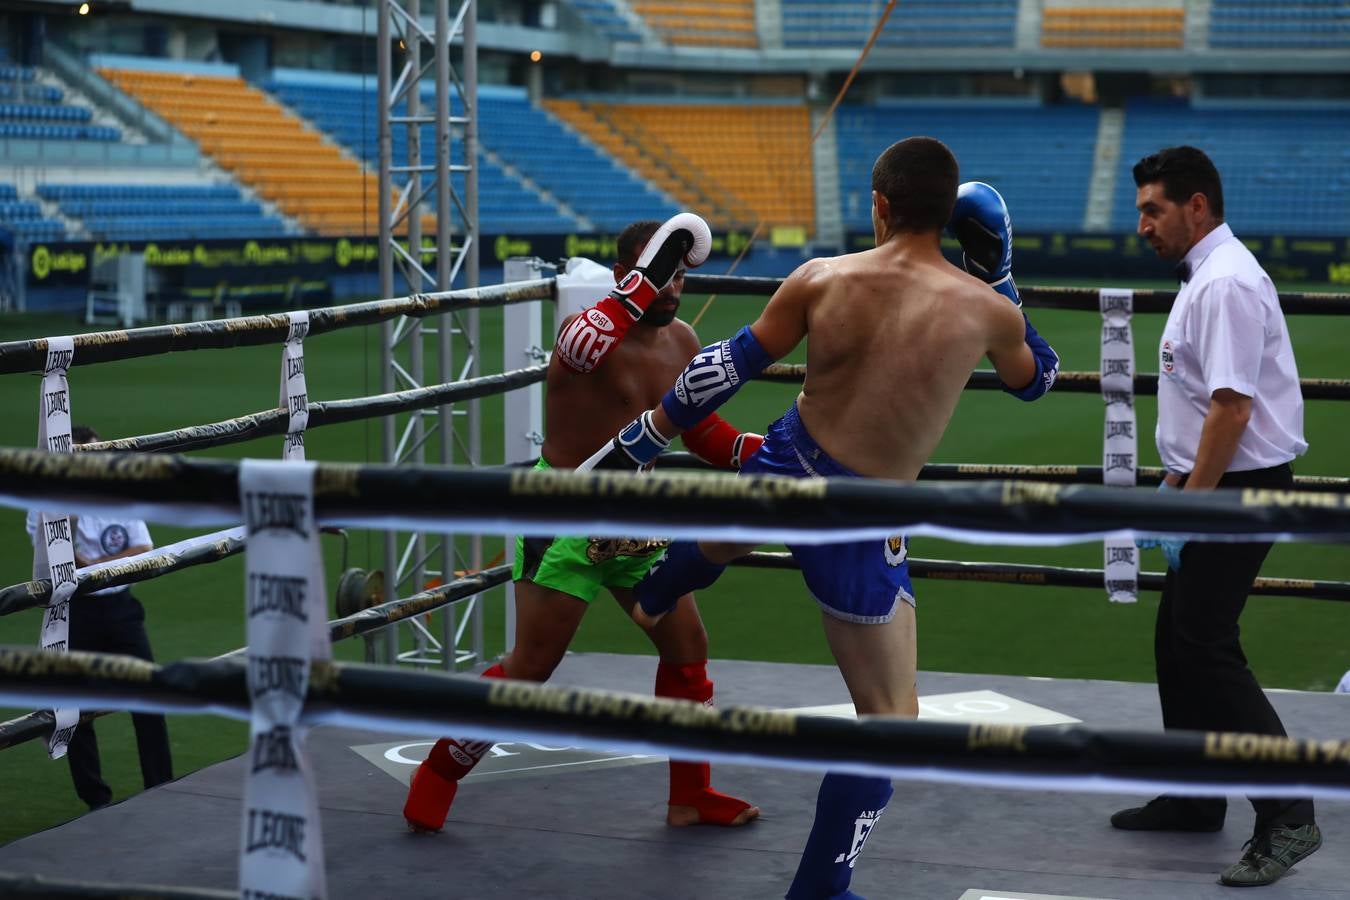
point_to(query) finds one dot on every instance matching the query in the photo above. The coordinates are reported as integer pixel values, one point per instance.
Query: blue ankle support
(847, 808)
(681, 569)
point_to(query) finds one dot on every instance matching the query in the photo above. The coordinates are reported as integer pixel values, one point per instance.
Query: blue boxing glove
(633, 449)
(712, 376)
(1047, 364)
(980, 221)
(1171, 547)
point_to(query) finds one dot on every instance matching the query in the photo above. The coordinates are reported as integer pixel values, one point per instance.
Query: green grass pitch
(1061, 632)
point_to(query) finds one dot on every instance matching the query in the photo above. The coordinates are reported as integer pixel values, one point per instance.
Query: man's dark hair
(1183, 173)
(633, 237)
(82, 434)
(918, 176)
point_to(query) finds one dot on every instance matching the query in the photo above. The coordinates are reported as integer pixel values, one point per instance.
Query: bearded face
(667, 303)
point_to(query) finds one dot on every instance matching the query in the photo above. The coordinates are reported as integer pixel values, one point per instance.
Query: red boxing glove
(717, 441)
(583, 344)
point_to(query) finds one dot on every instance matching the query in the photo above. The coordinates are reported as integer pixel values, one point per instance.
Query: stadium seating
(128, 212)
(1039, 158)
(924, 23)
(263, 145)
(709, 23)
(528, 140)
(552, 156)
(33, 111)
(22, 220)
(1285, 171)
(605, 17)
(1280, 24)
(1113, 26)
(738, 162)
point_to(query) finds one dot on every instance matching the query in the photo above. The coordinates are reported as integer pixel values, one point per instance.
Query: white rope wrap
(294, 396)
(1120, 447)
(54, 548)
(281, 851)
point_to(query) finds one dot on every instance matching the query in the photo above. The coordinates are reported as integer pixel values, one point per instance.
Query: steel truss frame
(408, 192)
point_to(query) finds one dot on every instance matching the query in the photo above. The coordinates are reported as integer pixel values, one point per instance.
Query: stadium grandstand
(413, 210)
(117, 126)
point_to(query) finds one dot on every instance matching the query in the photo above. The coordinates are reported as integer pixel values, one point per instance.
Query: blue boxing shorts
(857, 581)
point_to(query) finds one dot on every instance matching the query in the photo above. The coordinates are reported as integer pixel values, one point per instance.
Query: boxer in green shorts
(580, 566)
(610, 362)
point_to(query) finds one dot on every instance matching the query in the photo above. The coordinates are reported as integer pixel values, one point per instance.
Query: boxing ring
(565, 806)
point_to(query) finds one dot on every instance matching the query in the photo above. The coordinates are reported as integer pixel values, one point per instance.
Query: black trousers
(1204, 681)
(114, 623)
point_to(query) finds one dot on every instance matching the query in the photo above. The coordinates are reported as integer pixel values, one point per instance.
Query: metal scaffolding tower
(411, 195)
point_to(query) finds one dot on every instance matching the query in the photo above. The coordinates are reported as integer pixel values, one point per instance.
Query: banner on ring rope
(294, 396)
(281, 850)
(754, 508)
(1120, 447)
(997, 755)
(54, 543)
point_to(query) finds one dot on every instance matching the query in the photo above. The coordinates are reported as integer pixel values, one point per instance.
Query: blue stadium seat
(1039, 158)
(1283, 170)
(849, 23)
(604, 17)
(147, 211)
(22, 220)
(528, 140)
(1280, 24)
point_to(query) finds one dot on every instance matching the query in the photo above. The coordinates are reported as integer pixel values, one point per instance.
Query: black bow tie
(1182, 271)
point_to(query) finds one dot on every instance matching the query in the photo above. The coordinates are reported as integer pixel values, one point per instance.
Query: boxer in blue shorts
(859, 581)
(892, 335)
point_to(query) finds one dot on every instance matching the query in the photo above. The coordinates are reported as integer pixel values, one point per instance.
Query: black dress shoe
(1169, 814)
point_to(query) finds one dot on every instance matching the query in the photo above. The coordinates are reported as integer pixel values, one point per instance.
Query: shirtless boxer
(892, 336)
(611, 361)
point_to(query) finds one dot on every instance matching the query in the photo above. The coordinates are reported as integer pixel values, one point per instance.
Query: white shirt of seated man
(98, 539)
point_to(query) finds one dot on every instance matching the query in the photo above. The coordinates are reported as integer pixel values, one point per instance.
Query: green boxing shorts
(581, 566)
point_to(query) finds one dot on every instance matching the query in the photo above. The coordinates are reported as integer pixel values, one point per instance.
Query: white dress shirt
(96, 538)
(1226, 330)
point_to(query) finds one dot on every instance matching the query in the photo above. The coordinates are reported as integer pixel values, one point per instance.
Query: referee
(1230, 414)
(110, 620)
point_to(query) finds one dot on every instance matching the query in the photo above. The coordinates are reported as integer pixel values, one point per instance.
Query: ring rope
(106, 346)
(1071, 298)
(39, 887)
(162, 561)
(679, 504)
(325, 412)
(35, 594)
(1061, 474)
(1145, 383)
(1070, 757)
(39, 724)
(1058, 576)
